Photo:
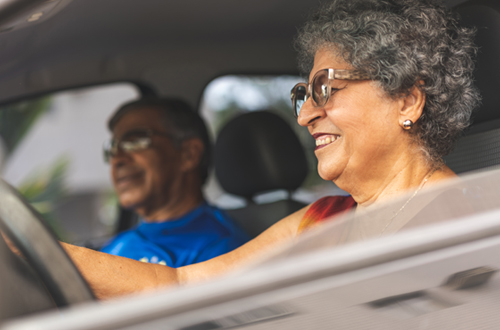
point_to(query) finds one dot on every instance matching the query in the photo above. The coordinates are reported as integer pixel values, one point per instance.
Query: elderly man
(159, 157)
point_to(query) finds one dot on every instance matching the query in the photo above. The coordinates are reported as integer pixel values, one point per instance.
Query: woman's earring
(407, 125)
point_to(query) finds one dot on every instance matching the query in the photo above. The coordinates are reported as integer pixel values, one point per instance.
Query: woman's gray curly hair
(401, 43)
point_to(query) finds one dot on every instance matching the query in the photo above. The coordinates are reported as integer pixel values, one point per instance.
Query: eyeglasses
(132, 141)
(321, 88)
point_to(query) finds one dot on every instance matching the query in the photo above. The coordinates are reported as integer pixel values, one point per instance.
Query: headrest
(257, 152)
(485, 16)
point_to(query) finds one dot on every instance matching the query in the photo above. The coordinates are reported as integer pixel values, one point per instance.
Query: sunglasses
(321, 88)
(132, 141)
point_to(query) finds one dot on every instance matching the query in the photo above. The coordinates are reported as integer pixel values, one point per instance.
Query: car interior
(175, 49)
(158, 47)
(247, 163)
(478, 148)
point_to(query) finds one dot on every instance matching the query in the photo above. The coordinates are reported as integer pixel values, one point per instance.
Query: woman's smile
(324, 139)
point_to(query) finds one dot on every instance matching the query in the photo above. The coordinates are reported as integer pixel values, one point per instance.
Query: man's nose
(309, 113)
(119, 157)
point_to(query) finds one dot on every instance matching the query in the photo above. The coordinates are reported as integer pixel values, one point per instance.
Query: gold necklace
(427, 177)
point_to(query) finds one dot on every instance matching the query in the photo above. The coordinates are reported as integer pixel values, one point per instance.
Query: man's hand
(11, 245)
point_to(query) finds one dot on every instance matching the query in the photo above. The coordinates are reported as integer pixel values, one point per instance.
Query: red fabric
(324, 208)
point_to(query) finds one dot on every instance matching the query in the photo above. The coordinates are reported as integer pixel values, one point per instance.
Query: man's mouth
(127, 178)
(322, 140)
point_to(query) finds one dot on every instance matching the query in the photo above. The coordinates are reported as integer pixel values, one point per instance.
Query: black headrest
(257, 152)
(485, 16)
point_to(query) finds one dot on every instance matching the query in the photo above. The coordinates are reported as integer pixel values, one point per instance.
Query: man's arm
(112, 276)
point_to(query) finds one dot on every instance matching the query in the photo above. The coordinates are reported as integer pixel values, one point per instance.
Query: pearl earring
(407, 125)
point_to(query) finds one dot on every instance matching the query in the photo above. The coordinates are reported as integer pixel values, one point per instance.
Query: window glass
(51, 151)
(227, 96)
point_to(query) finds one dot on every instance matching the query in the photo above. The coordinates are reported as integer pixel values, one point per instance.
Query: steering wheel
(29, 233)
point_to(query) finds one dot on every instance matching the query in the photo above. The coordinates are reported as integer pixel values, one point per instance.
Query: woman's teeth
(326, 140)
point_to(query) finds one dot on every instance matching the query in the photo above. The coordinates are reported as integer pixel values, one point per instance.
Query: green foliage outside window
(17, 119)
(45, 187)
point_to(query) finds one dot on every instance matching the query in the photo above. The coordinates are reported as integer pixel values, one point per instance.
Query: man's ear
(413, 104)
(192, 151)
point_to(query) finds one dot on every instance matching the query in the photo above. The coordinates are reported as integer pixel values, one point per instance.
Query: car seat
(258, 152)
(480, 147)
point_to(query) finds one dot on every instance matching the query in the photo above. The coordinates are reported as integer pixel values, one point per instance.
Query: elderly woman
(389, 91)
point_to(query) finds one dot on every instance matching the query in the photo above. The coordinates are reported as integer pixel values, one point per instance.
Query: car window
(228, 96)
(51, 151)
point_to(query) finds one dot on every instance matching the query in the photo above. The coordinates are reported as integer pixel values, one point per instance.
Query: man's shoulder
(220, 221)
(129, 236)
(216, 214)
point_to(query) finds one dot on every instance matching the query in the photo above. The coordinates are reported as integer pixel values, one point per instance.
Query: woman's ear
(413, 105)
(192, 151)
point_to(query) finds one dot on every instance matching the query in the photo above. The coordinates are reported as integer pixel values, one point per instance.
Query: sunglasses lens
(299, 96)
(320, 88)
(137, 144)
(130, 142)
(135, 141)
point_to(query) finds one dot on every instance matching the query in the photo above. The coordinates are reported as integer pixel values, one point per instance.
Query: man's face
(147, 178)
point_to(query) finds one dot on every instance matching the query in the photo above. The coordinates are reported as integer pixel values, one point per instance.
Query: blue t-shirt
(202, 234)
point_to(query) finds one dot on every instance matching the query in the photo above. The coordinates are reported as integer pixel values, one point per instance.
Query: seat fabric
(258, 152)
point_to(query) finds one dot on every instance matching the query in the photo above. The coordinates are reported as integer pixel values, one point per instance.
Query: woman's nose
(309, 113)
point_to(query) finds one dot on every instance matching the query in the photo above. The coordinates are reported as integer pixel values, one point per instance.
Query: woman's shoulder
(329, 202)
(324, 208)
(316, 212)
(330, 205)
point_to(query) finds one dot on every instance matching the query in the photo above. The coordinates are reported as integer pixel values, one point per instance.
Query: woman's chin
(327, 174)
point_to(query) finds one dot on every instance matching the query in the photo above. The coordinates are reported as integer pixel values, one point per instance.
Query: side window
(228, 96)
(51, 151)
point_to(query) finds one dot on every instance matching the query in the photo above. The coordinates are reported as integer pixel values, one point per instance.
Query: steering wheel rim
(28, 231)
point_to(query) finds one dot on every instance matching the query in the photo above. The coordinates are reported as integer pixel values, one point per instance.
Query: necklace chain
(427, 177)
